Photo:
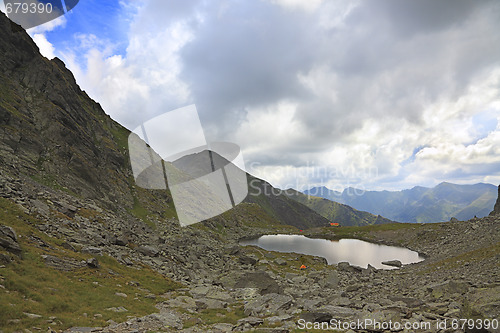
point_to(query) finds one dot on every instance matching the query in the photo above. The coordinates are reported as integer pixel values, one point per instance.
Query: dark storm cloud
(409, 18)
(396, 57)
(247, 54)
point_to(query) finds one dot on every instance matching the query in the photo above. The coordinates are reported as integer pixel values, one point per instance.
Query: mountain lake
(355, 251)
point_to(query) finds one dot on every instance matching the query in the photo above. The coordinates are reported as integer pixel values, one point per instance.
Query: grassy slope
(336, 212)
(278, 204)
(360, 232)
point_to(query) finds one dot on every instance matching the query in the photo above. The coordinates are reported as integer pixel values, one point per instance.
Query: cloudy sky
(382, 94)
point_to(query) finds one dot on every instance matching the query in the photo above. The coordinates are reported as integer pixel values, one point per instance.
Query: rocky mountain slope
(65, 163)
(419, 204)
(82, 249)
(51, 130)
(50, 241)
(336, 212)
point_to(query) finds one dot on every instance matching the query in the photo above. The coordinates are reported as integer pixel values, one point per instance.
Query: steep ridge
(419, 204)
(52, 131)
(336, 212)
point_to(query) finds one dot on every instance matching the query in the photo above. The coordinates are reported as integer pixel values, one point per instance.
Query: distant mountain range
(419, 204)
(336, 212)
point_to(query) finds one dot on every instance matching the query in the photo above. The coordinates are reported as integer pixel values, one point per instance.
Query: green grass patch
(477, 255)
(335, 233)
(120, 134)
(253, 216)
(214, 316)
(140, 212)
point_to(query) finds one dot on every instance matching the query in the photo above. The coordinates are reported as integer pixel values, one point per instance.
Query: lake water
(355, 251)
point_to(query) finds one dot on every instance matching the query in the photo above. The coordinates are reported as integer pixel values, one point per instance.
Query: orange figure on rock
(303, 267)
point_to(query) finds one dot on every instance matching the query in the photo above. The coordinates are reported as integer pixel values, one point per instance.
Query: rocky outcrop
(268, 305)
(260, 281)
(8, 240)
(63, 264)
(393, 263)
(496, 209)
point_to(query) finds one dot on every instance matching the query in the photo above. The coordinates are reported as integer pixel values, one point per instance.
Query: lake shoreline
(354, 251)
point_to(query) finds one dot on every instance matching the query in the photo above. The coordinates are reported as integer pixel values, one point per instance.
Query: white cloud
(38, 33)
(139, 85)
(308, 6)
(46, 48)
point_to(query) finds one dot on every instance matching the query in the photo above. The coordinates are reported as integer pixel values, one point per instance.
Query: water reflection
(354, 251)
